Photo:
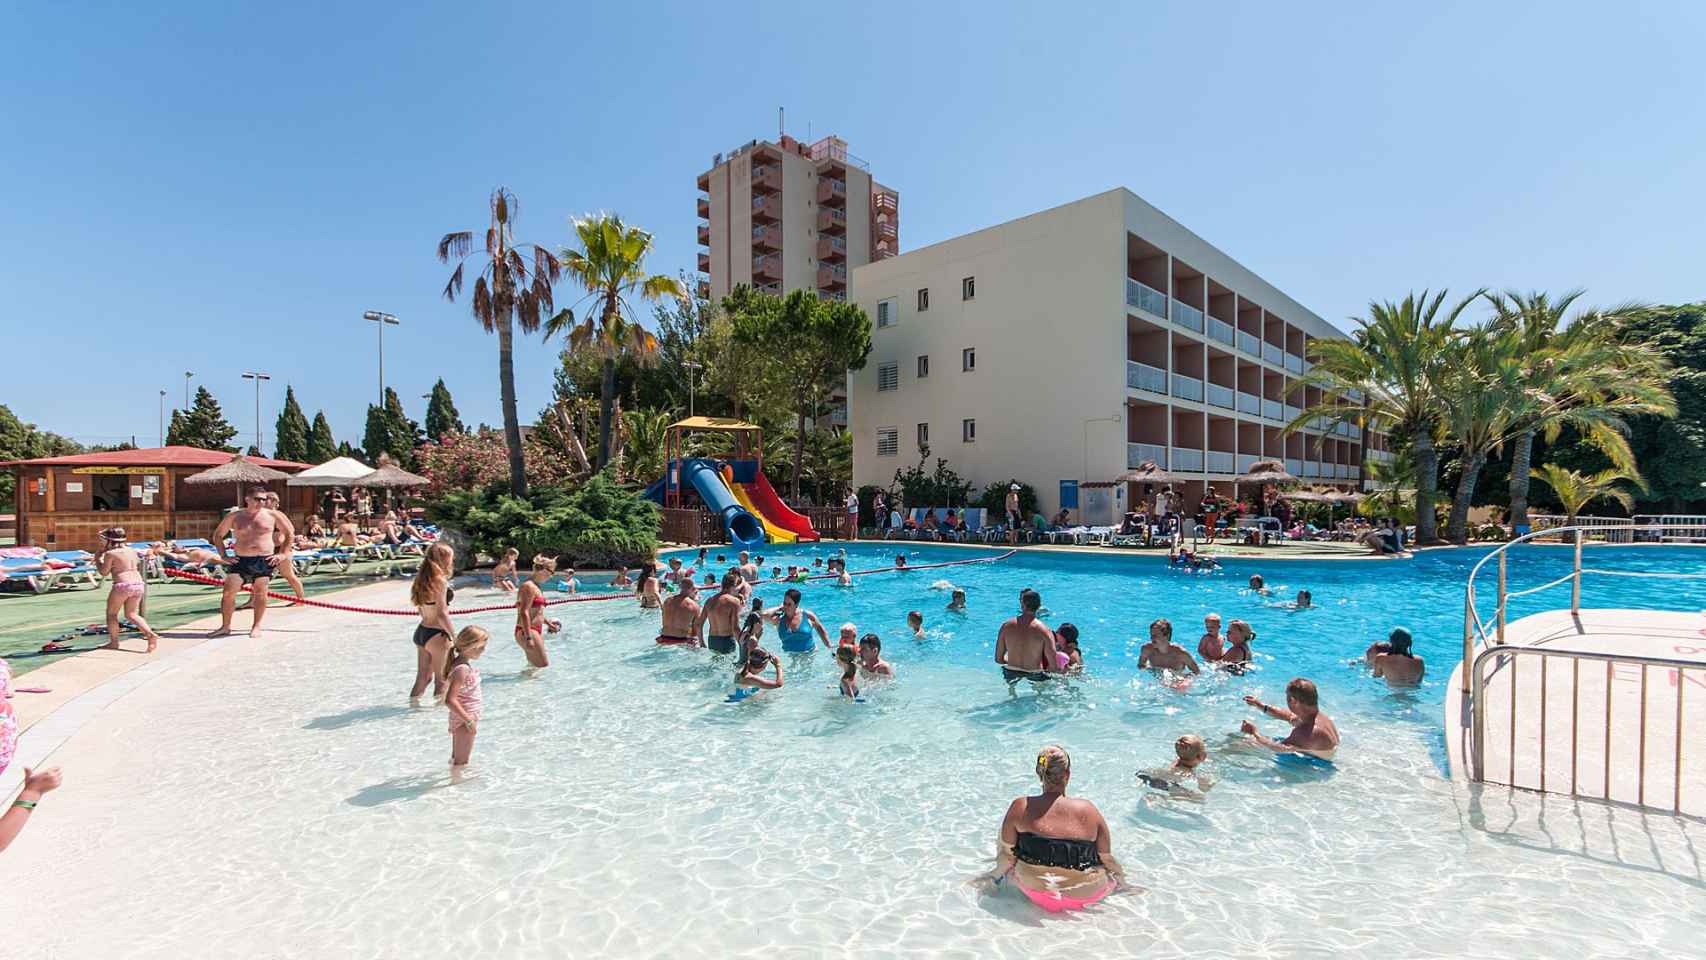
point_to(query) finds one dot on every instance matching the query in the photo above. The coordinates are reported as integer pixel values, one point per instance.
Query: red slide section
(764, 497)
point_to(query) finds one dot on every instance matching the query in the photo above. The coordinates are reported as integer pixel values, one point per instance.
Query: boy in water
(915, 621)
(1212, 646)
(957, 602)
(1189, 767)
(871, 660)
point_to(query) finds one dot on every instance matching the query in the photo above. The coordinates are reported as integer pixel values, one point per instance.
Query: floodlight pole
(257, 377)
(381, 319)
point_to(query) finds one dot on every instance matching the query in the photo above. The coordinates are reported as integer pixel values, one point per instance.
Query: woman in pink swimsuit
(463, 694)
(125, 567)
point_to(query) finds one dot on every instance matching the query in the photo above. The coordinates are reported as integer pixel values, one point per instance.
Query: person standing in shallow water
(430, 595)
(1024, 647)
(1057, 849)
(252, 527)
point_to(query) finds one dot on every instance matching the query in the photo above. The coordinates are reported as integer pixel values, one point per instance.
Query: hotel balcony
(703, 289)
(704, 263)
(1273, 354)
(1294, 466)
(1187, 316)
(1186, 388)
(767, 268)
(838, 296)
(1221, 330)
(766, 208)
(831, 220)
(1291, 413)
(704, 234)
(1249, 403)
(1246, 461)
(886, 201)
(766, 237)
(1142, 376)
(832, 248)
(1187, 460)
(1146, 298)
(1250, 344)
(1137, 453)
(766, 178)
(1273, 409)
(886, 230)
(704, 208)
(1220, 396)
(704, 182)
(1222, 462)
(831, 276)
(1294, 364)
(832, 192)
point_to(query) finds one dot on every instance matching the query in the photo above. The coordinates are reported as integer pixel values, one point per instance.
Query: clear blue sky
(217, 187)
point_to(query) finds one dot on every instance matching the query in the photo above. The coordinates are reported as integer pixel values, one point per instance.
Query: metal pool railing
(1490, 638)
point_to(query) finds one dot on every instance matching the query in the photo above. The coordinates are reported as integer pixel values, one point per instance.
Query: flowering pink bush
(467, 461)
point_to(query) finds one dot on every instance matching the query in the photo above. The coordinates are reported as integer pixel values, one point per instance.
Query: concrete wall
(799, 223)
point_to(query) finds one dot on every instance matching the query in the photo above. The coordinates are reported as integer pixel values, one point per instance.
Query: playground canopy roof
(726, 424)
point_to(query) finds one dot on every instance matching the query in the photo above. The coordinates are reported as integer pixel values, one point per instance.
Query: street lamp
(187, 376)
(257, 377)
(692, 369)
(381, 319)
(162, 418)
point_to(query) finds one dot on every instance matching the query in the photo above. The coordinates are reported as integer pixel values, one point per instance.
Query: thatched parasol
(1265, 471)
(1346, 496)
(1147, 472)
(238, 470)
(389, 475)
(1307, 496)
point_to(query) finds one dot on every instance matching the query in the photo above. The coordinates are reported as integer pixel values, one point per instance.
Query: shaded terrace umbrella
(1147, 472)
(337, 472)
(238, 470)
(1265, 471)
(390, 475)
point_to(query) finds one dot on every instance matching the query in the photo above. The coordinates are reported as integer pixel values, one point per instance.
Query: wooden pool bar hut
(63, 502)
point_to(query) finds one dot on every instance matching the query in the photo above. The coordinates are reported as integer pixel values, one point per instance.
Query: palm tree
(1589, 367)
(1397, 361)
(504, 292)
(648, 434)
(610, 265)
(1576, 490)
(1485, 384)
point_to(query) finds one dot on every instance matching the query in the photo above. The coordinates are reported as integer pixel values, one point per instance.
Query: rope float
(589, 598)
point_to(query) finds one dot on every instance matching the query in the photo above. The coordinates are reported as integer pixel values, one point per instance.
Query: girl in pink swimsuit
(463, 693)
(125, 567)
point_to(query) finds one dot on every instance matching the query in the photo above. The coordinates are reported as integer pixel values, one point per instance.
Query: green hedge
(594, 524)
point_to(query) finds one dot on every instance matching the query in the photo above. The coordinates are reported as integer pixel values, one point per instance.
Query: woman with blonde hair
(1056, 848)
(430, 593)
(530, 620)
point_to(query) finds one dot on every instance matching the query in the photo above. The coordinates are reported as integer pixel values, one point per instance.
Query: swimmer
(1161, 653)
(849, 672)
(1312, 731)
(1257, 585)
(1303, 601)
(673, 575)
(900, 561)
(1067, 652)
(530, 620)
(795, 624)
(1399, 666)
(721, 615)
(1212, 646)
(1237, 657)
(124, 566)
(1024, 647)
(843, 578)
(1190, 766)
(430, 596)
(776, 572)
(798, 575)
(710, 580)
(503, 573)
(747, 569)
(871, 657)
(621, 579)
(1375, 649)
(915, 622)
(748, 674)
(817, 562)
(569, 583)
(703, 553)
(462, 693)
(957, 602)
(1055, 848)
(680, 613)
(647, 587)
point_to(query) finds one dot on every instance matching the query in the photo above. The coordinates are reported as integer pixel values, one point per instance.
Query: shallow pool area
(281, 799)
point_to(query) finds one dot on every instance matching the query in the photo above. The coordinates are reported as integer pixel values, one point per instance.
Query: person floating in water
(1056, 849)
(1257, 585)
(957, 601)
(1397, 665)
(915, 623)
(1024, 647)
(1188, 777)
(1303, 602)
(871, 657)
(1312, 731)
(1161, 653)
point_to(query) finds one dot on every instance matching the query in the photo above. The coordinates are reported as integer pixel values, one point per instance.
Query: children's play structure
(735, 489)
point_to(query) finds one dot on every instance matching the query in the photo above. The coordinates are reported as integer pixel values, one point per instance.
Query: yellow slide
(776, 534)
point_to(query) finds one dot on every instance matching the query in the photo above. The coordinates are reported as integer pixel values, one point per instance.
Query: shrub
(595, 524)
(939, 488)
(994, 500)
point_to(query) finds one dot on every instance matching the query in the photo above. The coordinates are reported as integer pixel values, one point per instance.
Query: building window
(923, 299)
(923, 366)
(888, 376)
(886, 313)
(923, 434)
(968, 431)
(968, 359)
(888, 441)
(968, 288)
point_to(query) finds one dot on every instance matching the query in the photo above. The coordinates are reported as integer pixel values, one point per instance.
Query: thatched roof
(1147, 472)
(1266, 471)
(389, 475)
(239, 469)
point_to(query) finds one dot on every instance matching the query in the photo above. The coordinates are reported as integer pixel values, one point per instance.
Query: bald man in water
(1025, 645)
(1312, 731)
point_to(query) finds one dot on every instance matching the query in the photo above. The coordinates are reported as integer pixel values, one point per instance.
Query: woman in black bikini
(430, 595)
(1056, 848)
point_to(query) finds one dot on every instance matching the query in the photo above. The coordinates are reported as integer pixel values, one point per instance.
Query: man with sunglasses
(255, 529)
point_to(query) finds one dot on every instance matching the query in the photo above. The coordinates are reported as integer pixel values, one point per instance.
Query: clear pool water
(284, 801)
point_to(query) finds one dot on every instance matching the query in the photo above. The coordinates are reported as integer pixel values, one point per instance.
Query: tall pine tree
(441, 415)
(290, 436)
(202, 425)
(390, 431)
(321, 447)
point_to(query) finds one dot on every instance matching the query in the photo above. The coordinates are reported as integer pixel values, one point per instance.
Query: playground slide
(761, 499)
(742, 527)
(654, 493)
(744, 495)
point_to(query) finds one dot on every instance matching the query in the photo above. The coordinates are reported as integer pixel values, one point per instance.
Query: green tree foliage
(643, 454)
(290, 435)
(810, 343)
(203, 425)
(994, 500)
(345, 450)
(321, 446)
(390, 431)
(25, 441)
(1576, 490)
(441, 416)
(940, 487)
(1677, 333)
(595, 523)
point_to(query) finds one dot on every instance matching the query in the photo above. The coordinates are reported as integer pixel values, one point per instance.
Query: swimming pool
(283, 801)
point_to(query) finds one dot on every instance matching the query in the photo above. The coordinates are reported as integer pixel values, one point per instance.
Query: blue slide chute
(743, 529)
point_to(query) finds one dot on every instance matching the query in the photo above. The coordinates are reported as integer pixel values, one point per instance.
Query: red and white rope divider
(587, 598)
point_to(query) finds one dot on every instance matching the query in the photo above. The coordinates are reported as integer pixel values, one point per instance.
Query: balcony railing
(1291, 412)
(1246, 461)
(1272, 353)
(1355, 431)
(1249, 403)
(1222, 331)
(1187, 388)
(1311, 469)
(1187, 459)
(1145, 298)
(1222, 396)
(1187, 316)
(1272, 409)
(1294, 363)
(1136, 453)
(1294, 466)
(1142, 376)
(1219, 462)
(1250, 343)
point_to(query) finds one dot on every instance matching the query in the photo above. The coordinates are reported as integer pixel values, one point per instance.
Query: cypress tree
(321, 447)
(203, 425)
(441, 415)
(290, 435)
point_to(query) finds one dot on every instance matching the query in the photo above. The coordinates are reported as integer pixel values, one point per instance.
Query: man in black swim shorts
(719, 619)
(1025, 647)
(252, 528)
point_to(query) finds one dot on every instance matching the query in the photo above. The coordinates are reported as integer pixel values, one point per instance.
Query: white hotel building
(1065, 347)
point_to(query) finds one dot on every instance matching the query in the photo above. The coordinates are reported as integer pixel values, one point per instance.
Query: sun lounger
(30, 571)
(82, 566)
